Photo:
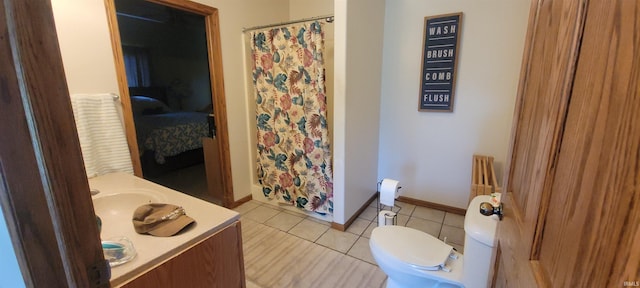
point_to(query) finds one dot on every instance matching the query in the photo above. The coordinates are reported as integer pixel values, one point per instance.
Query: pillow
(142, 105)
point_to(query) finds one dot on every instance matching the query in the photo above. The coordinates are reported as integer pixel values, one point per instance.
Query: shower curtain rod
(328, 18)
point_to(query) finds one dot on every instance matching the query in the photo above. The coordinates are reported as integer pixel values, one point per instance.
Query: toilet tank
(480, 245)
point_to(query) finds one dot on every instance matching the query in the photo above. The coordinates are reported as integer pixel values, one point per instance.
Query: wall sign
(439, 58)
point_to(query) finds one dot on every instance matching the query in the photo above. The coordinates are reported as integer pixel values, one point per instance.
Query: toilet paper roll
(389, 191)
(386, 218)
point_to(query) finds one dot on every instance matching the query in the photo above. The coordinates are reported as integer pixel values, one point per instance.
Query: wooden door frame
(214, 51)
(44, 192)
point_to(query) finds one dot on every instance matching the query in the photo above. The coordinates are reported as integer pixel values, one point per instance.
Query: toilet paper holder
(379, 209)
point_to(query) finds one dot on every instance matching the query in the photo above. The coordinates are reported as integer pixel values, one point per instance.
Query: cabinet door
(214, 262)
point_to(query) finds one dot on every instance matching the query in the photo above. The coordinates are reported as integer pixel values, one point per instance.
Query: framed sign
(439, 58)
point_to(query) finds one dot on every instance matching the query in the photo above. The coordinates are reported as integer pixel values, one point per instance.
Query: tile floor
(355, 241)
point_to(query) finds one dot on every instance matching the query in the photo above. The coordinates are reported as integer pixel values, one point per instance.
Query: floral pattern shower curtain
(294, 159)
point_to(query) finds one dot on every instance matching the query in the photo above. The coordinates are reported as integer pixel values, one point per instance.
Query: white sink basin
(114, 208)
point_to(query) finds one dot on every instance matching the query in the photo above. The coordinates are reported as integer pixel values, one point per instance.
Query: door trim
(44, 192)
(214, 51)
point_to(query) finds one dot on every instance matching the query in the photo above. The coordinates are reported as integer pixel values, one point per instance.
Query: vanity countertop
(153, 251)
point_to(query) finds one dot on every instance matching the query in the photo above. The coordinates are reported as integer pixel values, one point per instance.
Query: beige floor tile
(369, 213)
(246, 207)
(308, 230)
(246, 222)
(453, 234)
(273, 204)
(274, 258)
(337, 240)
(402, 220)
(284, 221)
(367, 232)
(254, 202)
(319, 221)
(296, 212)
(454, 220)
(362, 251)
(373, 276)
(400, 208)
(426, 226)
(251, 284)
(261, 213)
(312, 229)
(358, 226)
(428, 214)
(407, 208)
(460, 248)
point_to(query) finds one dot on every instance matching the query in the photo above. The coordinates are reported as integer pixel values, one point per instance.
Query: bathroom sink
(120, 206)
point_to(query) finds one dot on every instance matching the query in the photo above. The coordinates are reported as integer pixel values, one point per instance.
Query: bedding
(170, 133)
(142, 105)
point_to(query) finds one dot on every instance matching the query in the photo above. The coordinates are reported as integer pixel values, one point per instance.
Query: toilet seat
(415, 248)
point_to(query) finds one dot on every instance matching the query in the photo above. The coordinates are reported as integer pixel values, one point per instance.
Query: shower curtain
(294, 158)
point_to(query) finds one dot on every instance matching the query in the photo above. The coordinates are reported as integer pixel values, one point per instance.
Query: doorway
(170, 78)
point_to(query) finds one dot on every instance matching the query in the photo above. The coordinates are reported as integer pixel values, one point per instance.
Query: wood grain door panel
(216, 262)
(44, 191)
(551, 50)
(594, 211)
(213, 169)
(572, 214)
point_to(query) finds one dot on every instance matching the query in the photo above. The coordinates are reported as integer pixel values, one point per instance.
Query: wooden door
(44, 191)
(214, 51)
(591, 234)
(214, 175)
(572, 210)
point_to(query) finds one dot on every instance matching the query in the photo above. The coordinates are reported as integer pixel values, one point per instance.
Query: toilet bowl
(412, 258)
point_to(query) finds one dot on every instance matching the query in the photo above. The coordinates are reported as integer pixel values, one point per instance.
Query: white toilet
(412, 258)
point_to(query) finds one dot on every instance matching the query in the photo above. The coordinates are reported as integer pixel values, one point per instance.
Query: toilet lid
(411, 246)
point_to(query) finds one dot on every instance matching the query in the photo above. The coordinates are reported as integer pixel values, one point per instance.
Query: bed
(167, 139)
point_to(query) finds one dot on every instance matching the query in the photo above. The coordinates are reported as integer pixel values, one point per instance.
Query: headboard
(157, 92)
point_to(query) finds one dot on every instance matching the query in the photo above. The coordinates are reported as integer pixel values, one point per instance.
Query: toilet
(412, 258)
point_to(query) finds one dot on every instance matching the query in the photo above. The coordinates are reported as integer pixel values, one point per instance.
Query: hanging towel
(102, 139)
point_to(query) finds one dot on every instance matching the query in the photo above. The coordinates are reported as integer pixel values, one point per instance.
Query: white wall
(358, 70)
(85, 45)
(87, 56)
(10, 275)
(430, 152)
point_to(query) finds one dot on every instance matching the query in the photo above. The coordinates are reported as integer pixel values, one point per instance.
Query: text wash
(443, 30)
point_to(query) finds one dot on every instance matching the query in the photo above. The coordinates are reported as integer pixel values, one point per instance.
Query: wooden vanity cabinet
(214, 262)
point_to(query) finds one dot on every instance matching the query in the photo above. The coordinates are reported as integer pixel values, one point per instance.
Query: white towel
(102, 139)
